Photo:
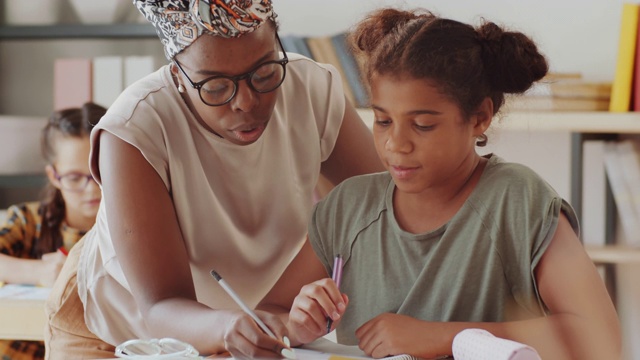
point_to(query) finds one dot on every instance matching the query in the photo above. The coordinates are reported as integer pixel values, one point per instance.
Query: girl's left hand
(50, 266)
(393, 334)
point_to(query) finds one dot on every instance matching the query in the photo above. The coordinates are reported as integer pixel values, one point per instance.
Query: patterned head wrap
(180, 22)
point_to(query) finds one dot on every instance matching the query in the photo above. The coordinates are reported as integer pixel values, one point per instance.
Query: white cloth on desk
(478, 344)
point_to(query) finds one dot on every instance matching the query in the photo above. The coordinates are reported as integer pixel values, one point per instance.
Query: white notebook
(323, 349)
(469, 344)
(478, 344)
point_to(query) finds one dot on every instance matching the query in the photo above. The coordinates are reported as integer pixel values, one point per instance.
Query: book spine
(72, 83)
(351, 69)
(107, 79)
(630, 165)
(323, 52)
(623, 79)
(621, 190)
(635, 86)
(594, 205)
(301, 47)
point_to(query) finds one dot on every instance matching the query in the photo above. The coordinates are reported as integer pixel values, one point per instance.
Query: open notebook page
(323, 349)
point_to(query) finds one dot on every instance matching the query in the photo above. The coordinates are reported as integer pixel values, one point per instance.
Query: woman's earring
(181, 89)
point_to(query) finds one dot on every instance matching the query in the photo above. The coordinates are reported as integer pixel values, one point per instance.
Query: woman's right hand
(50, 266)
(312, 306)
(244, 339)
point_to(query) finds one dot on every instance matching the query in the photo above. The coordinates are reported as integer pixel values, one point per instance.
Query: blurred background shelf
(614, 254)
(76, 31)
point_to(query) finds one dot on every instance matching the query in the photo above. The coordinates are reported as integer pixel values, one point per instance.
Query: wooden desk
(22, 315)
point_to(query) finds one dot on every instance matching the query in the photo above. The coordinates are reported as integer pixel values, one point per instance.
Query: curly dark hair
(468, 64)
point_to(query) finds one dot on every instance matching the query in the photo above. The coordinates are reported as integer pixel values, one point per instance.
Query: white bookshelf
(575, 122)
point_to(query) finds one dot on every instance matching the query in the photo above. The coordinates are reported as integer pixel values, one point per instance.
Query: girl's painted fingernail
(286, 341)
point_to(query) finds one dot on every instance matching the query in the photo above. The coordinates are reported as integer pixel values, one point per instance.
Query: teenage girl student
(36, 235)
(446, 239)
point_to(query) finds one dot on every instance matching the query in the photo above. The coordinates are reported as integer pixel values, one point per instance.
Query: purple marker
(337, 278)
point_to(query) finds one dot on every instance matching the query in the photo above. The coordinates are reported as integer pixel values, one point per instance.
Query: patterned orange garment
(18, 235)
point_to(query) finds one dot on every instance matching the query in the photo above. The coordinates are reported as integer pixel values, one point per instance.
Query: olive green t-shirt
(477, 267)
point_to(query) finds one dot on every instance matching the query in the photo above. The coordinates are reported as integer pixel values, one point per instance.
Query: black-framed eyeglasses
(73, 181)
(218, 90)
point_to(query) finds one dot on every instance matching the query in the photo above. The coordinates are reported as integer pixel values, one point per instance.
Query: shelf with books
(17, 181)
(70, 31)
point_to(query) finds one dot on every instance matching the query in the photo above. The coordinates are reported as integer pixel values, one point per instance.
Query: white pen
(288, 353)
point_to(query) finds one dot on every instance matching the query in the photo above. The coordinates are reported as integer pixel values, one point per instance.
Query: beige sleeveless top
(243, 210)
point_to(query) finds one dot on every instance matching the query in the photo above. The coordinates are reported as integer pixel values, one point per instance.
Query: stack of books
(100, 79)
(563, 92)
(333, 50)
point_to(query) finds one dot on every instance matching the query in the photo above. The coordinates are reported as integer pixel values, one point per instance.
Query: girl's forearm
(19, 271)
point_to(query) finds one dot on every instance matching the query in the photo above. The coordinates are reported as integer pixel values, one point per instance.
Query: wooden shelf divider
(614, 254)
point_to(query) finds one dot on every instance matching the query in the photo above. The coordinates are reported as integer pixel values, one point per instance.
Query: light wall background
(576, 35)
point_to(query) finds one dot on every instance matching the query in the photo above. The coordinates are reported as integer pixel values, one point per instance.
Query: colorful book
(72, 83)
(623, 79)
(635, 87)
(323, 52)
(288, 44)
(295, 44)
(351, 70)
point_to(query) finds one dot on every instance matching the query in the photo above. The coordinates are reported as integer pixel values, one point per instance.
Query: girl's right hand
(50, 266)
(244, 339)
(311, 308)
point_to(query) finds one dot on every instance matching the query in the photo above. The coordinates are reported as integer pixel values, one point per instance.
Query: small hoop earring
(181, 89)
(482, 140)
